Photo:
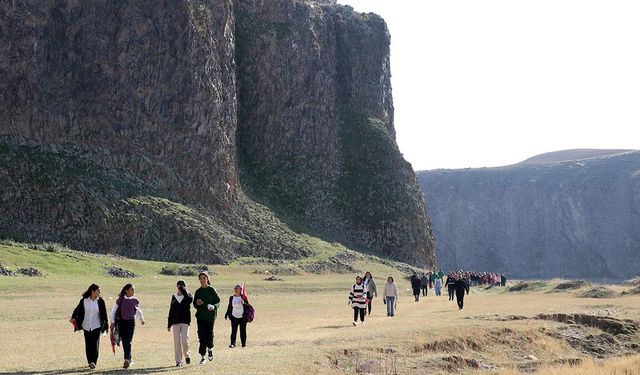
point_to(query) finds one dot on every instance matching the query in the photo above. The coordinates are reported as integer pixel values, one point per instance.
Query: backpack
(249, 312)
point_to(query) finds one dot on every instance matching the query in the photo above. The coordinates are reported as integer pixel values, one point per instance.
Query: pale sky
(489, 83)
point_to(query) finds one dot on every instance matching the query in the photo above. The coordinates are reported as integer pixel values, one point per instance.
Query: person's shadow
(83, 370)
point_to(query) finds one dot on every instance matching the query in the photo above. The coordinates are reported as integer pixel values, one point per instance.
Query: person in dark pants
(372, 291)
(424, 282)
(358, 300)
(450, 288)
(503, 280)
(207, 303)
(90, 316)
(416, 285)
(461, 286)
(124, 314)
(236, 313)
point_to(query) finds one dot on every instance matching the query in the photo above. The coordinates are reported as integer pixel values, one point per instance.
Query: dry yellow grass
(303, 325)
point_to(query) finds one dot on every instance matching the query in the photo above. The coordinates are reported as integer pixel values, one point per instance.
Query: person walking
(416, 285)
(372, 291)
(450, 288)
(390, 296)
(461, 286)
(438, 286)
(357, 300)
(424, 283)
(207, 302)
(179, 320)
(236, 313)
(124, 314)
(90, 316)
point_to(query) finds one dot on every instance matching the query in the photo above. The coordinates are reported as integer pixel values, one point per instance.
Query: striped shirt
(358, 296)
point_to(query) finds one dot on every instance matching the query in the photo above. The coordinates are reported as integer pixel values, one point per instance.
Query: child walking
(357, 300)
(207, 303)
(179, 320)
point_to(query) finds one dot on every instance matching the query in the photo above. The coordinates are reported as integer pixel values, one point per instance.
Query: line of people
(90, 316)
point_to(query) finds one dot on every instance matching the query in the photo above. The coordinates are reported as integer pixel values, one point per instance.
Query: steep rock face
(118, 130)
(561, 219)
(316, 137)
(147, 86)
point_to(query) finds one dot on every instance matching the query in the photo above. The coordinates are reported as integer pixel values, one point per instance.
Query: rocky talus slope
(202, 130)
(562, 218)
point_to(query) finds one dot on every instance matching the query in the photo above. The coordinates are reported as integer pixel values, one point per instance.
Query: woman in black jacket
(180, 319)
(236, 312)
(90, 316)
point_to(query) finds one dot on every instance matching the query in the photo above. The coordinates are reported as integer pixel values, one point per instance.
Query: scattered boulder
(571, 285)
(5, 271)
(29, 271)
(120, 272)
(599, 292)
(185, 270)
(273, 278)
(285, 271)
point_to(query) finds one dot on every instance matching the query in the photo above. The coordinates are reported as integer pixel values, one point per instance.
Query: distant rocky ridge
(546, 217)
(153, 129)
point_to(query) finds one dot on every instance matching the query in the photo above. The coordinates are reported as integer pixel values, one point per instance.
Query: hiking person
(390, 296)
(207, 302)
(179, 320)
(237, 314)
(503, 280)
(424, 283)
(438, 286)
(90, 316)
(124, 314)
(371, 289)
(357, 300)
(461, 286)
(450, 288)
(416, 285)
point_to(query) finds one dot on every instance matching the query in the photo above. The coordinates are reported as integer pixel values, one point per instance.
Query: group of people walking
(364, 291)
(90, 316)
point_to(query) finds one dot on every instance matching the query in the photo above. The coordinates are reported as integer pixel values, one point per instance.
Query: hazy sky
(487, 83)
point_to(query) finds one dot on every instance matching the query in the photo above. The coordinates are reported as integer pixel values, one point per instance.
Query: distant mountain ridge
(573, 213)
(572, 155)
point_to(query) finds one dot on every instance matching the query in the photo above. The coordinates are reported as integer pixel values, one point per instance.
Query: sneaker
(355, 324)
(363, 323)
(188, 360)
(210, 355)
(178, 364)
(92, 365)
(244, 346)
(203, 361)
(126, 364)
(231, 346)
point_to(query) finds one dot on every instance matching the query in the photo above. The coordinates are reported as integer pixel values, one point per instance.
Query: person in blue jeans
(390, 296)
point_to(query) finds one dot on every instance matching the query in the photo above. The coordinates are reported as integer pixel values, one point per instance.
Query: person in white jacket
(390, 297)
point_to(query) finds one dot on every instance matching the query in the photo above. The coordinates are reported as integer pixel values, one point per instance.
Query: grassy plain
(303, 325)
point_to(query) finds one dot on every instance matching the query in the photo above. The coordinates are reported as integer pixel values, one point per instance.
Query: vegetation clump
(120, 272)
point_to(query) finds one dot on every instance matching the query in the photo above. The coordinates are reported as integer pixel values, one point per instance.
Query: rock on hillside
(119, 130)
(572, 219)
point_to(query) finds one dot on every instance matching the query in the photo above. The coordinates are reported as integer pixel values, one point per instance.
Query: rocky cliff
(548, 217)
(152, 129)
